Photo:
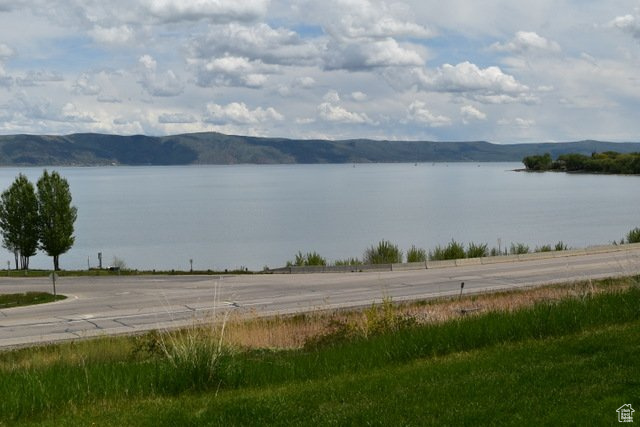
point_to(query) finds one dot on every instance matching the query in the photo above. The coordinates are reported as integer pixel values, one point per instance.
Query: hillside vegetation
(609, 162)
(216, 148)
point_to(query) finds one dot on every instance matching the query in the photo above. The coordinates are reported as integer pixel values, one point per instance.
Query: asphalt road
(127, 304)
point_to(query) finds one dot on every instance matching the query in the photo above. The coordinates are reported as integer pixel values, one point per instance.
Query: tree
(56, 215)
(19, 220)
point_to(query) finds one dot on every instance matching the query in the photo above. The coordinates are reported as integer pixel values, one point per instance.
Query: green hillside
(216, 148)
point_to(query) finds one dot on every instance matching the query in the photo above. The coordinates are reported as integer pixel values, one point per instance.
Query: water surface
(254, 216)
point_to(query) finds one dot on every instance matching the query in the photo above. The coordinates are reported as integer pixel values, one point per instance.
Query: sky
(504, 71)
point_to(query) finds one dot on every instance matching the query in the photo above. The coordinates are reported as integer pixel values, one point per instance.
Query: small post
(191, 262)
(100, 260)
(461, 288)
(88, 264)
(53, 279)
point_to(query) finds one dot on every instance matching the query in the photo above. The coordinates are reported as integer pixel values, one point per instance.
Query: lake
(254, 216)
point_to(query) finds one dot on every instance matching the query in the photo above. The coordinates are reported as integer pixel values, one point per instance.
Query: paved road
(115, 305)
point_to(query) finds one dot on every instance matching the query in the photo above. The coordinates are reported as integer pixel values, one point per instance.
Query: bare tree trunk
(56, 263)
(15, 254)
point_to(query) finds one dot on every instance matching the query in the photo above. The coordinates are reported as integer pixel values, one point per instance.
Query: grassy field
(556, 361)
(27, 298)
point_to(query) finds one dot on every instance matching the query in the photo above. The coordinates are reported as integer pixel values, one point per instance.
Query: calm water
(232, 216)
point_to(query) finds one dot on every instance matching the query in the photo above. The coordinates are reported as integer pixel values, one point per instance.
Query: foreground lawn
(565, 362)
(575, 380)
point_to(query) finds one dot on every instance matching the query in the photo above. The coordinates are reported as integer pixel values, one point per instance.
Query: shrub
(416, 254)
(477, 250)
(543, 248)
(347, 262)
(633, 236)
(560, 246)
(518, 248)
(384, 253)
(454, 250)
(308, 259)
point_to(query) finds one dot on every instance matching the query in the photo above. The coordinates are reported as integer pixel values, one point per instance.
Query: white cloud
(239, 113)
(5, 52)
(487, 85)
(233, 71)
(358, 96)
(162, 85)
(112, 35)
(338, 114)
(36, 78)
(358, 56)
(526, 41)
(176, 118)
(257, 42)
(358, 19)
(304, 82)
(85, 86)
(418, 112)
(469, 112)
(212, 10)
(628, 24)
(332, 96)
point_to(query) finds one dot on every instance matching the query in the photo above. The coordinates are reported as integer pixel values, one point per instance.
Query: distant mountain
(88, 149)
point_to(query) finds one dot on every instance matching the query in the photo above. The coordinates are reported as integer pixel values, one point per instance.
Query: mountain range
(89, 149)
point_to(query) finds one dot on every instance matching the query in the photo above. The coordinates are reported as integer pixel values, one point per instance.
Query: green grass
(563, 362)
(27, 298)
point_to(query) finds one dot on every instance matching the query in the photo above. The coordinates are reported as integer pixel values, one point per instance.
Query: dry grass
(288, 332)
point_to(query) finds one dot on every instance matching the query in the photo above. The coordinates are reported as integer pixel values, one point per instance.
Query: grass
(27, 298)
(554, 357)
(576, 379)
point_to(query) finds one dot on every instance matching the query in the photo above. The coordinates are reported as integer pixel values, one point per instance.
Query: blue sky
(501, 71)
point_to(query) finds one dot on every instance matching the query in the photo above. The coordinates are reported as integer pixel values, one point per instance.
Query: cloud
(6, 52)
(85, 86)
(36, 78)
(365, 19)
(30, 110)
(628, 24)
(419, 113)
(332, 96)
(358, 96)
(233, 71)
(518, 122)
(338, 114)
(524, 42)
(108, 99)
(261, 42)
(364, 55)
(163, 85)
(211, 10)
(304, 82)
(121, 34)
(469, 112)
(487, 85)
(239, 113)
(167, 118)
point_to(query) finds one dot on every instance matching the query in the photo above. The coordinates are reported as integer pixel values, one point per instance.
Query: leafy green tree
(57, 216)
(19, 220)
